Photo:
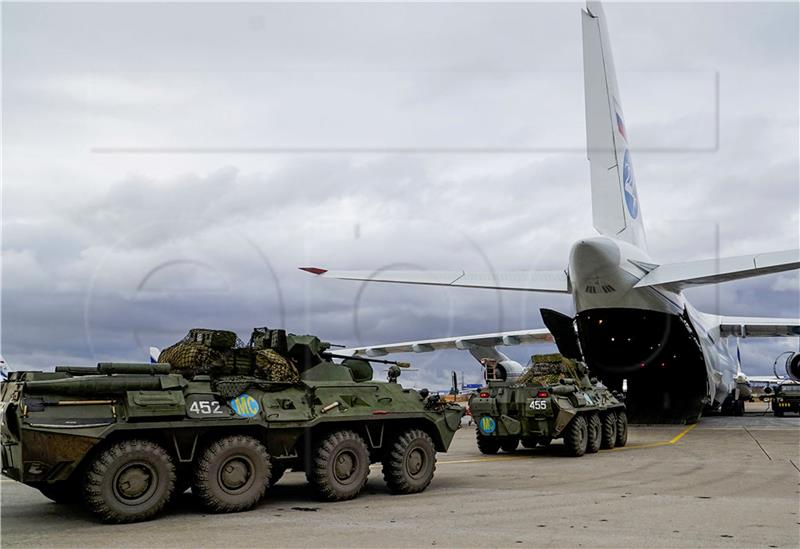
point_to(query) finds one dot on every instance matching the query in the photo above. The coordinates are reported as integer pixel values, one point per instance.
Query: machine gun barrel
(378, 360)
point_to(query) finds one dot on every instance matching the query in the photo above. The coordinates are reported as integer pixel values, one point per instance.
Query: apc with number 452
(126, 438)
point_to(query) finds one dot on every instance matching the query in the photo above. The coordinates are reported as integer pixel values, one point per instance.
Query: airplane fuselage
(674, 364)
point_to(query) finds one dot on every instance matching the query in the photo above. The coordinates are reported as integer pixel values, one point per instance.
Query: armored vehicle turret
(222, 417)
(553, 399)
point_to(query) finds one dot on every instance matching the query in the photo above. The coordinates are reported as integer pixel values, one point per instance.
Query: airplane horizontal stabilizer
(530, 281)
(464, 343)
(712, 271)
(742, 326)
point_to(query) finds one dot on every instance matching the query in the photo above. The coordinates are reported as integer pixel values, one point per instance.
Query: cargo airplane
(632, 322)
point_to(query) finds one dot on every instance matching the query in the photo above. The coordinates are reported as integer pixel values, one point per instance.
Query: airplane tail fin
(615, 203)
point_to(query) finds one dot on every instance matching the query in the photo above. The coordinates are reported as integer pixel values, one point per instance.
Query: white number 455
(539, 404)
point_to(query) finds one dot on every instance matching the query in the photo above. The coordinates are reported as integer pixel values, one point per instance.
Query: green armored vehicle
(224, 418)
(553, 399)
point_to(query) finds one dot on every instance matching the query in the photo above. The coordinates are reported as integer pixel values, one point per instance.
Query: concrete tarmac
(726, 482)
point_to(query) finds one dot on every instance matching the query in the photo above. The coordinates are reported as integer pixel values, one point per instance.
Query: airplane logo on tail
(628, 185)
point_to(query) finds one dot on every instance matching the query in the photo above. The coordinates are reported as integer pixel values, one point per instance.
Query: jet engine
(793, 366)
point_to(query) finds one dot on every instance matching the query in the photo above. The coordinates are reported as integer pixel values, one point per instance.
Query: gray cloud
(105, 254)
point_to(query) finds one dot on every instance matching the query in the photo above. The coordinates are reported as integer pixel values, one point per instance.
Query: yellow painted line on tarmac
(670, 442)
(682, 433)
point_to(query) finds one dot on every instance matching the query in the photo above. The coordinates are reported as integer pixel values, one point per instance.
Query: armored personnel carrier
(221, 417)
(553, 399)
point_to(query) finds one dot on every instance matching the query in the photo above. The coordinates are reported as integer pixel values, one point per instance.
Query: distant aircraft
(633, 323)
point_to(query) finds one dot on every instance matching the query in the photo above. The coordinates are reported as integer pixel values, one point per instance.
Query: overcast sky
(107, 250)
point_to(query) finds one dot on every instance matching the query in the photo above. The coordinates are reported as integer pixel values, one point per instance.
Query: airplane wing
(530, 281)
(464, 343)
(712, 271)
(743, 326)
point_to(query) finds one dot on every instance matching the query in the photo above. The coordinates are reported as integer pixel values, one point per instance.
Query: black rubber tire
(276, 473)
(594, 430)
(778, 413)
(609, 420)
(487, 445)
(231, 474)
(62, 492)
(122, 465)
(576, 436)
(509, 445)
(410, 462)
(340, 448)
(622, 428)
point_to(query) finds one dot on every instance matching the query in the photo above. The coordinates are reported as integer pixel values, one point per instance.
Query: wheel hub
(135, 483)
(415, 462)
(235, 473)
(344, 466)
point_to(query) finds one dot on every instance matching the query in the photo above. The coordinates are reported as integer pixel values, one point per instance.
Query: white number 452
(539, 404)
(205, 407)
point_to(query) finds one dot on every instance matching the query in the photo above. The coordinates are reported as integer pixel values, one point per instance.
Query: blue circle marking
(245, 406)
(629, 185)
(487, 425)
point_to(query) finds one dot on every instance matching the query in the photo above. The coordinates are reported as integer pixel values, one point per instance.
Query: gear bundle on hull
(221, 353)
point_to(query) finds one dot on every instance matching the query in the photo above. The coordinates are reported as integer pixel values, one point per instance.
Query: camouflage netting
(190, 358)
(233, 386)
(221, 353)
(547, 370)
(270, 365)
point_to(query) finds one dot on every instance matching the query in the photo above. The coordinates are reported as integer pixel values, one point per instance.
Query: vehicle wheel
(409, 465)
(64, 491)
(509, 445)
(594, 430)
(487, 445)
(129, 481)
(340, 466)
(622, 428)
(231, 474)
(576, 436)
(778, 413)
(609, 439)
(276, 473)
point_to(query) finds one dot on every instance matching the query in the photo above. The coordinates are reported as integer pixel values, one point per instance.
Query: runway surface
(726, 482)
